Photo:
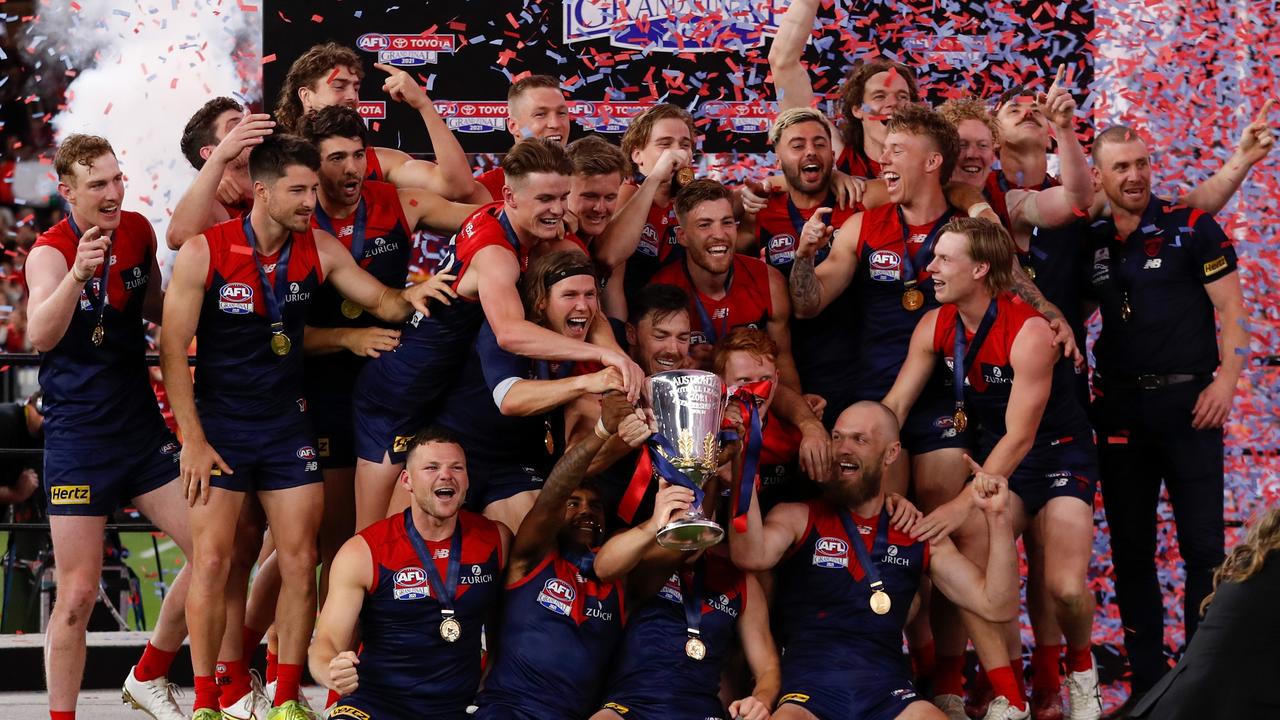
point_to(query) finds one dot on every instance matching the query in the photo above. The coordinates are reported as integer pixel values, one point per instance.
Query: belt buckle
(1150, 382)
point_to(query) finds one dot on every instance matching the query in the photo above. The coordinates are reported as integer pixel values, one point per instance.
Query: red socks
(233, 677)
(288, 675)
(206, 693)
(1046, 673)
(332, 698)
(62, 715)
(1005, 683)
(1079, 659)
(154, 663)
(948, 675)
(923, 660)
(273, 665)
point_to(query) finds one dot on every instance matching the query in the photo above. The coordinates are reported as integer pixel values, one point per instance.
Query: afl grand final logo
(674, 26)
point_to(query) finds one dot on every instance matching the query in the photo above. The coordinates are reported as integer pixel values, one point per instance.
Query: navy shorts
(660, 706)
(330, 412)
(491, 482)
(929, 426)
(874, 691)
(1066, 468)
(502, 711)
(396, 393)
(94, 477)
(264, 458)
(361, 705)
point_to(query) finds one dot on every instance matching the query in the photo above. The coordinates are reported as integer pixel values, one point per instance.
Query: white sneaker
(1001, 709)
(951, 705)
(253, 706)
(269, 691)
(153, 697)
(1082, 689)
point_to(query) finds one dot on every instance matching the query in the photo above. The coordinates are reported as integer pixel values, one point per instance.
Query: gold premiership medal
(695, 648)
(1126, 312)
(1031, 272)
(280, 344)
(549, 440)
(351, 310)
(684, 175)
(880, 602)
(98, 335)
(960, 420)
(912, 300)
(450, 629)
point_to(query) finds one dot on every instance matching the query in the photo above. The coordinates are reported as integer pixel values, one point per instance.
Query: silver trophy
(688, 405)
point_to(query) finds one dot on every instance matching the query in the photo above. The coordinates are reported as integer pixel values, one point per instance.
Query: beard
(852, 494)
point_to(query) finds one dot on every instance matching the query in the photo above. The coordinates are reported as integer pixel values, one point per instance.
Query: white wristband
(978, 209)
(601, 432)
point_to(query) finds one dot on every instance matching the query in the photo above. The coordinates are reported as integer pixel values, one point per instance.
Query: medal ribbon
(357, 228)
(514, 239)
(272, 295)
(691, 597)
(651, 460)
(703, 317)
(750, 396)
(97, 300)
(878, 547)
(925, 255)
(962, 357)
(443, 590)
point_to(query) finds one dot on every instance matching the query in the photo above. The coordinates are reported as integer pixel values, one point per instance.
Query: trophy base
(690, 534)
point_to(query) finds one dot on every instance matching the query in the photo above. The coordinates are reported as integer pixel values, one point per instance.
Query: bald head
(870, 417)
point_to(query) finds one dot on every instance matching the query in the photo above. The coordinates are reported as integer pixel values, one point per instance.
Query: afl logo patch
(557, 596)
(648, 241)
(831, 552)
(885, 266)
(306, 452)
(782, 249)
(410, 584)
(236, 298)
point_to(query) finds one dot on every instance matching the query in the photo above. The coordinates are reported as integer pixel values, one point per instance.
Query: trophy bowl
(688, 406)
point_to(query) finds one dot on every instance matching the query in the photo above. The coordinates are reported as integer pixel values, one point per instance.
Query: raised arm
(812, 287)
(537, 534)
(199, 209)
(1061, 205)
(620, 239)
(450, 175)
(1213, 194)
(332, 662)
(765, 542)
(790, 76)
(992, 594)
(630, 547)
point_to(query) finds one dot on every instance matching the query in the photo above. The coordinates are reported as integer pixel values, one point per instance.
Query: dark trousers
(1145, 437)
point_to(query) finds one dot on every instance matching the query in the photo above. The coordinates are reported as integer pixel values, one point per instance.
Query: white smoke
(142, 68)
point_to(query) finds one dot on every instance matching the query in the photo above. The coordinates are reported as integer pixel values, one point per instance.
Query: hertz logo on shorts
(401, 443)
(620, 709)
(347, 712)
(793, 697)
(69, 495)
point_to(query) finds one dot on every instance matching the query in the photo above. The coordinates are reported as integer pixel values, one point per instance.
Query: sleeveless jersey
(99, 391)
(746, 302)
(821, 345)
(657, 249)
(857, 164)
(989, 381)
(823, 595)
(558, 632)
(384, 254)
(651, 662)
(402, 654)
(493, 180)
(883, 327)
(238, 376)
(373, 165)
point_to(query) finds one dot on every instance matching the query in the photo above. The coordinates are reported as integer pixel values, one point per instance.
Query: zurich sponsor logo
(886, 266)
(236, 298)
(557, 596)
(831, 552)
(892, 557)
(410, 584)
(306, 452)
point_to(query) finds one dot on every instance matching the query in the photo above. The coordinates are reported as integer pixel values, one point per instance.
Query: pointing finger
(387, 68)
(1265, 110)
(975, 467)
(1062, 70)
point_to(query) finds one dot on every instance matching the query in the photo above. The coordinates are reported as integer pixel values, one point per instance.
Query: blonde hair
(968, 107)
(795, 116)
(1247, 559)
(989, 243)
(78, 149)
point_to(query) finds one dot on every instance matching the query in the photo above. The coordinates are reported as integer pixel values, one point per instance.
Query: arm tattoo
(1026, 289)
(805, 288)
(570, 471)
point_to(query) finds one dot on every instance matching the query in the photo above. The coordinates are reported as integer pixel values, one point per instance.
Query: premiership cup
(688, 406)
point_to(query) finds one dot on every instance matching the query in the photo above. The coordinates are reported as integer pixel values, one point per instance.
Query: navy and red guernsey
(857, 164)
(989, 377)
(404, 662)
(493, 180)
(373, 166)
(824, 596)
(238, 376)
(882, 325)
(559, 630)
(822, 346)
(100, 391)
(658, 248)
(653, 677)
(746, 302)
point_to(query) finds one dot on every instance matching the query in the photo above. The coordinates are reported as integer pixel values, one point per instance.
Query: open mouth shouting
(576, 326)
(892, 180)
